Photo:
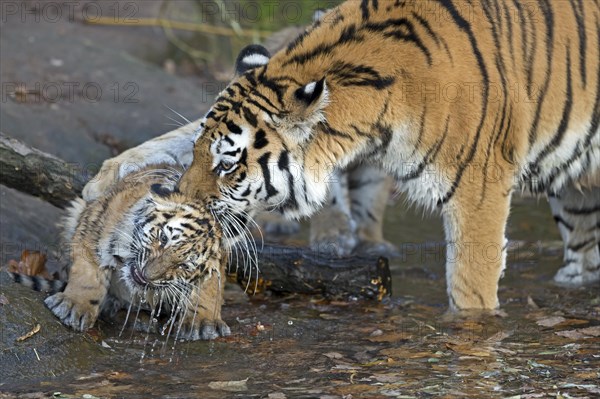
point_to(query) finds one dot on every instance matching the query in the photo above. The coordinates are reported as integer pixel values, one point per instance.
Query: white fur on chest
(425, 181)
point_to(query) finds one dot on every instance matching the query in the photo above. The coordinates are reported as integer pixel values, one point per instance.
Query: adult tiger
(371, 81)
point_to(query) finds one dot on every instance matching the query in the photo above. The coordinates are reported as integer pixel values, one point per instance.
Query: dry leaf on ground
(32, 263)
(550, 321)
(35, 330)
(230, 386)
(581, 333)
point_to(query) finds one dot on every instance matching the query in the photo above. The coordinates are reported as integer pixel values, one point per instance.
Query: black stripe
(296, 42)
(232, 153)
(233, 128)
(349, 34)
(583, 211)
(260, 139)
(581, 245)
(400, 29)
(263, 161)
(272, 85)
(579, 17)
(260, 106)
(349, 74)
(595, 123)
(511, 42)
(284, 161)
(332, 132)
(364, 7)
(36, 284)
(242, 90)
(559, 220)
(421, 132)
(566, 115)
(429, 156)
(439, 41)
(228, 140)
(549, 19)
(249, 116)
(188, 226)
(464, 26)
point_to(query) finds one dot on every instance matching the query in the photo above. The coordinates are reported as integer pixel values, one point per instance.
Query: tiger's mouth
(138, 276)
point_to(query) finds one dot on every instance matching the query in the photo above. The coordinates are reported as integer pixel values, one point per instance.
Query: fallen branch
(283, 269)
(37, 173)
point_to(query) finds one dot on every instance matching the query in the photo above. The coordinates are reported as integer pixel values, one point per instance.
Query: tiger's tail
(38, 283)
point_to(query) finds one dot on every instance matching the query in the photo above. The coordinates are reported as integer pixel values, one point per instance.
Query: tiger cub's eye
(162, 237)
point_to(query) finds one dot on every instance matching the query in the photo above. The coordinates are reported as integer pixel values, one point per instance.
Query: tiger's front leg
(474, 223)
(202, 319)
(332, 230)
(79, 305)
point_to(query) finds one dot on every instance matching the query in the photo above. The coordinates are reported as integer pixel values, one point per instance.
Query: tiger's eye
(226, 165)
(163, 238)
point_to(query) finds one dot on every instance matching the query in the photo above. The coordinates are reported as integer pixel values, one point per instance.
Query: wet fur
(119, 235)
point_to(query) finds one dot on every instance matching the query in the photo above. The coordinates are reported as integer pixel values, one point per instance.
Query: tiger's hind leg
(577, 213)
(369, 190)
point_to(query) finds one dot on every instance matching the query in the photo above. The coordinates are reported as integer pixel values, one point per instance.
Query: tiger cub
(142, 242)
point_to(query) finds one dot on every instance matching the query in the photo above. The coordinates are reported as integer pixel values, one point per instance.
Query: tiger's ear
(314, 94)
(252, 56)
(308, 105)
(160, 190)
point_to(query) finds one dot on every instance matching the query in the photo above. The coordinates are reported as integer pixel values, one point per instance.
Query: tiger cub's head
(174, 243)
(252, 152)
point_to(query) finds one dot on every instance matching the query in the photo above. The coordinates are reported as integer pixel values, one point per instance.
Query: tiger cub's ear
(251, 57)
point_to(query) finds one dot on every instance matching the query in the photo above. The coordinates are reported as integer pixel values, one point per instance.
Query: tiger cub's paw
(79, 316)
(206, 330)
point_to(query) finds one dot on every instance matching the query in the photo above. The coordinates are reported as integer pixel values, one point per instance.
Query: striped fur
(38, 283)
(142, 242)
(462, 102)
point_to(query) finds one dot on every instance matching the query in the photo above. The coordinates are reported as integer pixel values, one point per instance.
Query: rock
(52, 351)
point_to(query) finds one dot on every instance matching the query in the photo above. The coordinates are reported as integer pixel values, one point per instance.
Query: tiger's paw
(79, 316)
(276, 225)
(333, 233)
(206, 330)
(103, 181)
(380, 248)
(576, 274)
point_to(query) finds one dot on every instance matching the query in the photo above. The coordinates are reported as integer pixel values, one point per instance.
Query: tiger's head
(253, 151)
(174, 243)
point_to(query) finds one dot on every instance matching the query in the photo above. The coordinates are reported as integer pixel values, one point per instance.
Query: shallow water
(544, 343)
